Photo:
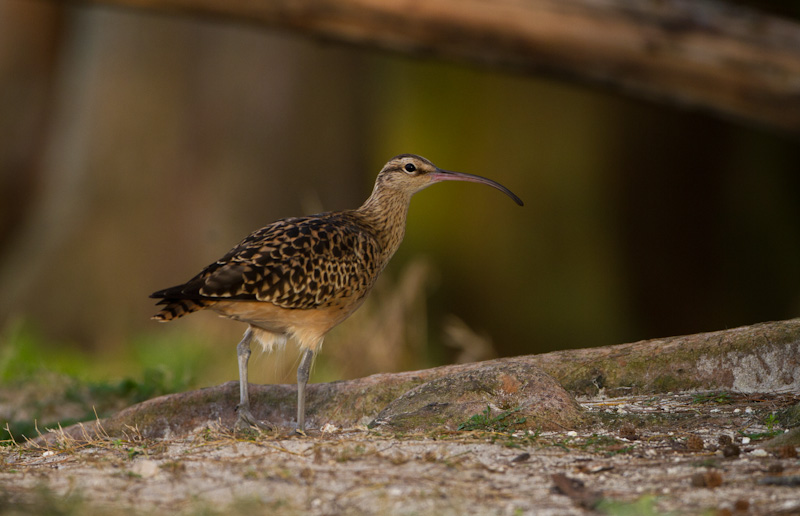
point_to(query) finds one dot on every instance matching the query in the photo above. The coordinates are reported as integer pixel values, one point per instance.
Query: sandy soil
(689, 453)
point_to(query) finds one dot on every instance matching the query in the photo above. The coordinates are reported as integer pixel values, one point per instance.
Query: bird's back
(313, 262)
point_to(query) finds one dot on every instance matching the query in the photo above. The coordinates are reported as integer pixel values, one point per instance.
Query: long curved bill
(448, 175)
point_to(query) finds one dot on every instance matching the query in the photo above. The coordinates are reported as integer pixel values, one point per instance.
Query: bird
(299, 277)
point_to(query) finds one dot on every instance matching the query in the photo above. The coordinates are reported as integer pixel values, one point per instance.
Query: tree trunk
(723, 58)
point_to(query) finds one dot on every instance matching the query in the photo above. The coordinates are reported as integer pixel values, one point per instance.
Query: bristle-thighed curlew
(299, 277)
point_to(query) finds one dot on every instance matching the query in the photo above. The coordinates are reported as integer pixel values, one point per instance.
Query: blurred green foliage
(26, 352)
(43, 382)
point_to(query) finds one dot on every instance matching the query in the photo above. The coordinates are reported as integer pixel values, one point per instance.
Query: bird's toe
(245, 420)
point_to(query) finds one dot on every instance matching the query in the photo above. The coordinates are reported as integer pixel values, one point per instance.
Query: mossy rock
(536, 398)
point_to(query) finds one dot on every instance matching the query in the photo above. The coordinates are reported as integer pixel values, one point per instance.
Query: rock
(536, 398)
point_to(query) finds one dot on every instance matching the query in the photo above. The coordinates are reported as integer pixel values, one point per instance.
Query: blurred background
(136, 148)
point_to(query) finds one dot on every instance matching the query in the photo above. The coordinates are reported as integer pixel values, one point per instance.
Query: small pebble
(707, 479)
(145, 468)
(522, 457)
(786, 452)
(759, 452)
(329, 428)
(775, 468)
(628, 431)
(731, 450)
(694, 442)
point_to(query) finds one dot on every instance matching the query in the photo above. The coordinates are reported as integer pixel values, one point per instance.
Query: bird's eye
(410, 167)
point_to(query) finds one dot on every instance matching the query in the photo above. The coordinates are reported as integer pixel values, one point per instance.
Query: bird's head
(409, 174)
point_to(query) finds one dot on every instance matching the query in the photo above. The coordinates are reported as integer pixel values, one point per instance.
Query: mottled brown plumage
(300, 277)
(297, 263)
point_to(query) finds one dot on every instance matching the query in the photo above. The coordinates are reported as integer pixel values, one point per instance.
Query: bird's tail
(175, 308)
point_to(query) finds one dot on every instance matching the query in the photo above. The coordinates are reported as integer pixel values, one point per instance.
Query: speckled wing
(298, 263)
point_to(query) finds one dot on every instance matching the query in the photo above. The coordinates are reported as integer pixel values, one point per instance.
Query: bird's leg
(303, 372)
(245, 418)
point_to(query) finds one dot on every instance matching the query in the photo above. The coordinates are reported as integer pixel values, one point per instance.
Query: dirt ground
(687, 453)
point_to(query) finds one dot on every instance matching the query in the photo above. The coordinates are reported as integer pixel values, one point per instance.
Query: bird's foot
(246, 420)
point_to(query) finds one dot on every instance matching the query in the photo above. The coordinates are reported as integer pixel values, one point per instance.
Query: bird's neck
(385, 211)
